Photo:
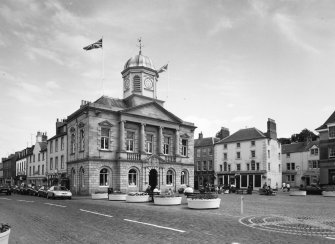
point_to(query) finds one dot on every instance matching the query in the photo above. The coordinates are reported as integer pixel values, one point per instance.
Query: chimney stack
(39, 136)
(200, 135)
(272, 129)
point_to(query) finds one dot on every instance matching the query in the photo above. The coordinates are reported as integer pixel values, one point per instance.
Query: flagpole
(168, 83)
(103, 66)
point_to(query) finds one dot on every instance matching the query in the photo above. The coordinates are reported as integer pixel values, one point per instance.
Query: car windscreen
(60, 188)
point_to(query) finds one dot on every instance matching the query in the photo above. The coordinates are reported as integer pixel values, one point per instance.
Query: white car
(58, 192)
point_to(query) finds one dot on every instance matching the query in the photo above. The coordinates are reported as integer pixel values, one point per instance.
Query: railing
(133, 156)
(170, 158)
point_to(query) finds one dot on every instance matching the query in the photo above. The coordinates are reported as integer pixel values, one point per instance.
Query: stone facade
(127, 144)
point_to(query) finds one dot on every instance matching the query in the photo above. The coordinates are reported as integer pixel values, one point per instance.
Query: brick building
(132, 142)
(327, 151)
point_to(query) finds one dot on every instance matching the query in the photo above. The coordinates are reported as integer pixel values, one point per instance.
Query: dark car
(32, 191)
(23, 190)
(312, 190)
(5, 189)
(42, 192)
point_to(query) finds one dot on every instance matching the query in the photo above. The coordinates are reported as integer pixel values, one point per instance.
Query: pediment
(105, 123)
(153, 160)
(153, 110)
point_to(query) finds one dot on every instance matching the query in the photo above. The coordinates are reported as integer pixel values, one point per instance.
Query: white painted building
(301, 163)
(249, 157)
(37, 161)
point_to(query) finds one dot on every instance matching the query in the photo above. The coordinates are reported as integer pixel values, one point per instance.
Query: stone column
(142, 136)
(122, 136)
(176, 143)
(160, 141)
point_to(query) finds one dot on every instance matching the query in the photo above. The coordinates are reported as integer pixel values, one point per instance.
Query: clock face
(148, 83)
(126, 84)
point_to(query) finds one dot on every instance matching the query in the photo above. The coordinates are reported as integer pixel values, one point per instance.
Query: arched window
(81, 177)
(73, 177)
(169, 177)
(183, 178)
(137, 83)
(104, 177)
(132, 176)
(73, 143)
(82, 140)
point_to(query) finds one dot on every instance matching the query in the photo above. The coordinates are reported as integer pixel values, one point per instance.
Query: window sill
(134, 186)
(104, 186)
(105, 150)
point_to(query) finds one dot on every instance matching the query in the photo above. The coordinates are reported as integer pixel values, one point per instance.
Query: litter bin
(110, 190)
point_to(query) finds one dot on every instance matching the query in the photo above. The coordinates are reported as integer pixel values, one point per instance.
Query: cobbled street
(265, 219)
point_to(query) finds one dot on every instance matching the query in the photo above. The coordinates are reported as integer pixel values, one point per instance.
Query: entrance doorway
(153, 179)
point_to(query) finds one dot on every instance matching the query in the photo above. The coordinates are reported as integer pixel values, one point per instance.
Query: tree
(284, 140)
(303, 136)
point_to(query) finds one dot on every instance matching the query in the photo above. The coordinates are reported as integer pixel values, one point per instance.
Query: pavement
(263, 219)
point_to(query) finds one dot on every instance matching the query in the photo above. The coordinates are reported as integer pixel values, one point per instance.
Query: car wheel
(70, 198)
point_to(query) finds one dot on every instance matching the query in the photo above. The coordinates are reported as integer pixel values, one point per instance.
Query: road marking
(96, 213)
(5, 199)
(24, 201)
(55, 205)
(158, 226)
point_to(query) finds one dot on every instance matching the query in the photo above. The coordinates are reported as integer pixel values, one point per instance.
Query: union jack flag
(97, 44)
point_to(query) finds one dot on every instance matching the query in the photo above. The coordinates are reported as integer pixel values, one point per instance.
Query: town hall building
(130, 143)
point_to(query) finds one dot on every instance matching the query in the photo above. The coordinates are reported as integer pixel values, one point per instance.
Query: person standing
(283, 186)
(288, 187)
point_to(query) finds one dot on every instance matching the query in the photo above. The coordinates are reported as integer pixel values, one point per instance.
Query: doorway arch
(153, 178)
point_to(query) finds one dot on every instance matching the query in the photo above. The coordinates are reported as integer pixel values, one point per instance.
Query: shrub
(137, 193)
(4, 227)
(205, 196)
(99, 192)
(181, 190)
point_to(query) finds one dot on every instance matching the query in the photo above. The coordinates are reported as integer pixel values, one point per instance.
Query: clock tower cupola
(140, 76)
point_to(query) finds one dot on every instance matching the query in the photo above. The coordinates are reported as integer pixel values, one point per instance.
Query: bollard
(241, 205)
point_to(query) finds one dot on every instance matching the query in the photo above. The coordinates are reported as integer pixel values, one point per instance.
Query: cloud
(52, 85)
(33, 52)
(290, 30)
(222, 25)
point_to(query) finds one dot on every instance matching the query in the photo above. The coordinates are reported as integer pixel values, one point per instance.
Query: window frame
(132, 178)
(149, 144)
(169, 177)
(105, 140)
(104, 177)
(166, 145)
(184, 147)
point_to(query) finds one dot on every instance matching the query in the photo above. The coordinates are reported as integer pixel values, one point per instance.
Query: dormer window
(137, 83)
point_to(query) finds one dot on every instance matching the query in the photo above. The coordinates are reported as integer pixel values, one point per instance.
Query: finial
(140, 45)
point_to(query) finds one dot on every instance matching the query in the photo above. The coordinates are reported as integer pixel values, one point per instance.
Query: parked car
(23, 190)
(5, 189)
(58, 192)
(32, 191)
(312, 190)
(42, 192)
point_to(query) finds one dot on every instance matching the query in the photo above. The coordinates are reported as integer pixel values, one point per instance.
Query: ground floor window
(132, 175)
(244, 181)
(290, 178)
(183, 178)
(104, 177)
(169, 177)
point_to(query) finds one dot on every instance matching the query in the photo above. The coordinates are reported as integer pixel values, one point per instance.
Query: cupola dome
(139, 61)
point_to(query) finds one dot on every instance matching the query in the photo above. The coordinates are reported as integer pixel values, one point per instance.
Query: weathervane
(140, 44)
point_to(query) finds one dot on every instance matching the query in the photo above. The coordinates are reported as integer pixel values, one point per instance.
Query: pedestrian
(170, 192)
(148, 189)
(283, 186)
(288, 187)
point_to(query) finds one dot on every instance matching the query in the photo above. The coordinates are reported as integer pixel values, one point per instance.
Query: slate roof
(298, 147)
(331, 119)
(244, 135)
(111, 102)
(205, 142)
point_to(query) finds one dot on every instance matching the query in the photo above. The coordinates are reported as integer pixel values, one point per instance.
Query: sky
(231, 63)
